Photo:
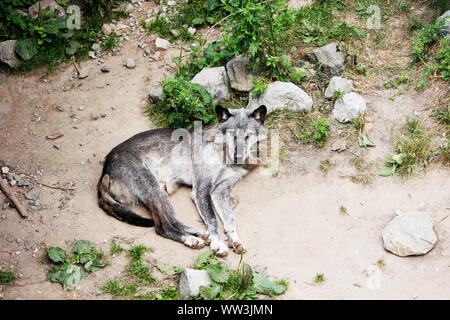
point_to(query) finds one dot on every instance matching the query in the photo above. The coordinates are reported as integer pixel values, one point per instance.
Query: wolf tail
(116, 209)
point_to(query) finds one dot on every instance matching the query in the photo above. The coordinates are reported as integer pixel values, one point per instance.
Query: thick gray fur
(148, 167)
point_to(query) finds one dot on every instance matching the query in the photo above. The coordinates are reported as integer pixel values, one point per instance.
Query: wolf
(145, 169)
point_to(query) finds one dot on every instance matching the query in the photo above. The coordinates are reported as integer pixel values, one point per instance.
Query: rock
(97, 49)
(51, 4)
(282, 95)
(107, 29)
(8, 53)
(348, 107)
(162, 43)
(5, 170)
(92, 55)
(155, 94)
(190, 282)
(105, 68)
(330, 57)
(12, 183)
(33, 194)
(22, 182)
(130, 63)
(410, 233)
(191, 30)
(171, 3)
(174, 32)
(445, 29)
(241, 79)
(297, 4)
(338, 84)
(19, 241)
(215, 81)
(82, 73)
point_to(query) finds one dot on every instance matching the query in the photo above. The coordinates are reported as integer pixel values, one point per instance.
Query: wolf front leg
(201, 194)
(221, 201)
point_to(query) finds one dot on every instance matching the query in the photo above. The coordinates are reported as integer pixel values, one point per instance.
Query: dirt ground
(290, 223)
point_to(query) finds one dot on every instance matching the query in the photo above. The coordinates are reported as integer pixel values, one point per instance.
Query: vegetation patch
(67, 271)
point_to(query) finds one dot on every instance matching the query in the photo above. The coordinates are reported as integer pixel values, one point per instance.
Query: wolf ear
(222, 114)
(260, 114)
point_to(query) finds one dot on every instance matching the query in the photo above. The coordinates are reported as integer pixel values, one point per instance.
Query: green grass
(319, 278)
(7, 277)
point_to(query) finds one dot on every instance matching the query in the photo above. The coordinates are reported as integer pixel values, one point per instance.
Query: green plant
(67, 272)
(325, 165)
(412, 151)
(115, 248)
(320, 277)
(442, 114)
(343, 210)
(182, 103)
(7, 277)
(319, 133)
(243, 283)
(259, 86)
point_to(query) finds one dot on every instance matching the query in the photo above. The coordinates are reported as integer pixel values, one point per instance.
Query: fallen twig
(6, 251)
(55, 187)
(10, 195)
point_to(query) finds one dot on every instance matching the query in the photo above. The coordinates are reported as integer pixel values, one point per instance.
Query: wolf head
(242, 130)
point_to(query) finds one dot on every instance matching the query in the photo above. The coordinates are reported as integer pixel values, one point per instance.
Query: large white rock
(349, 107)
(445, 29)
(161, 43)
(8, 53)
(330, 57)
(190, 282)
(215, 81)
(282, 95)
(241, 79)
(410, 233)
(43, 4)
(338, 84)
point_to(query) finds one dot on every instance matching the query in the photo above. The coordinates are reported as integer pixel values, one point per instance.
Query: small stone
(162, 43)
(92, 55)
(105, 68)
(29, 247)
(80, 108)
(5, 170)
(192, 30)
(348, 107)
(82, 73)
(171, 3)
(107, 29)
(19, 241)
(130, 63)
(57, 146)
(10, 239)
(338, 84)
(155, 94)
(191, 280)
(33, 194)
(13, 182)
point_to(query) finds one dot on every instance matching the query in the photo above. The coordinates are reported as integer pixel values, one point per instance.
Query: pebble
(10, 239)
(19, 241)
(82, 73)
(57, 146)
(130, 63)
(92, 55)
(105, 68)
(29, 247)
(81, 108)
(5, 170)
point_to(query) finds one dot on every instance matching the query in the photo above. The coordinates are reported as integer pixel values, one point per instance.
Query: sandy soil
(290, 223)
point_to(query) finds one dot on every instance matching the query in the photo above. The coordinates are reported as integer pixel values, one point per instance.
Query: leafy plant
(320, 277)
(67, 272)
(319, 133)
(243, 283)
(7, 277)
(182, 103)
(259, 86)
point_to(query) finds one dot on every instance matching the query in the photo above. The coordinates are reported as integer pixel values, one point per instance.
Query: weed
(319, 278)
(442, 114)
(325, 165)
(319, 133)
(109, 42)
(182, 103)
(7, 277)
(343, 210)
(381, 263)
(259, 86)
(412, 150)
(115, 248)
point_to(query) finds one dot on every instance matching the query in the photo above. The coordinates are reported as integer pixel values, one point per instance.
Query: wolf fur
(148, 167)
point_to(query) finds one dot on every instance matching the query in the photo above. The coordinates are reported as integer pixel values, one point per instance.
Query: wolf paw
(219, 248)
(237, 246)
(193, 242)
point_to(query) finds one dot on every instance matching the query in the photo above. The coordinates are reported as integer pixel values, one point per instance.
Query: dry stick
(75, 64)
(55, 187)
(10, 195)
